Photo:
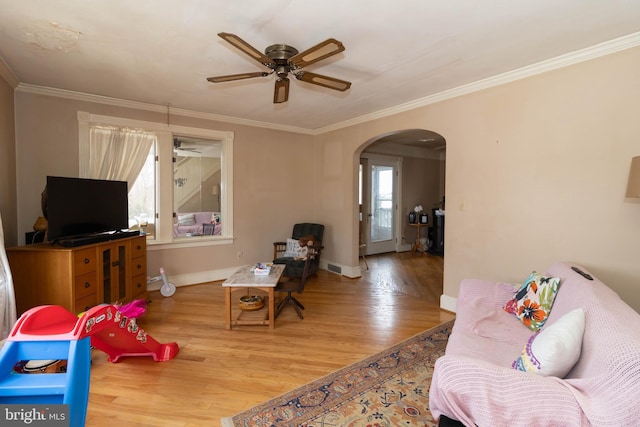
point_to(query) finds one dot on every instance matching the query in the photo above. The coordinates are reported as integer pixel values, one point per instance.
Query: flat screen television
(80, 207)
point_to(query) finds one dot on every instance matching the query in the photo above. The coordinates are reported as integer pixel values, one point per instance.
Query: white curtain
(7, 295)
(118, 154)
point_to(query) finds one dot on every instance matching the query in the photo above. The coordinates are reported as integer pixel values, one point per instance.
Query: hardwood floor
(221, 372)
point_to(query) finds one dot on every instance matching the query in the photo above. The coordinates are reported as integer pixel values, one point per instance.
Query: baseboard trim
(448, 303)
(345, 270)
(194, 278)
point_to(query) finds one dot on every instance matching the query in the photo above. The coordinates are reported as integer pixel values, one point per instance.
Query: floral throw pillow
(532, 302)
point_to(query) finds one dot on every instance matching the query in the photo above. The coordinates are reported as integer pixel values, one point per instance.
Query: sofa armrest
(476, 392)
(480, 313)
(489, 293)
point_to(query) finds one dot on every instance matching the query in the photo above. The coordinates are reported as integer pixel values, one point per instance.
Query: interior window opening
(197, 187)
(179, 178)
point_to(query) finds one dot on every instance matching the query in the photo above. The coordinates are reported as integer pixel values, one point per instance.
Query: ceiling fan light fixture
(282, 59)
(282, 71)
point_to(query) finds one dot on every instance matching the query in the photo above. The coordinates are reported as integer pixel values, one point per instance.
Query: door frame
(366, 202)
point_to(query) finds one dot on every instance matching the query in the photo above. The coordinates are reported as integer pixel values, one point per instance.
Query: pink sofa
(190, 223)
(474, 381)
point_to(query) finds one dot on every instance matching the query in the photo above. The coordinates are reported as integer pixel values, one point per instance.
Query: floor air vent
(334, 268)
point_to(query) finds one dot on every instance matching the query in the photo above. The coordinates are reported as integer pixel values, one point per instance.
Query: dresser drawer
(138, 286)
(139, 247)
(86, 284)
(139, 266)
(85, 260)
(84, 304)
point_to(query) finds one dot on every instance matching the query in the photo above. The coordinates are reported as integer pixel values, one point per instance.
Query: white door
(380, 205)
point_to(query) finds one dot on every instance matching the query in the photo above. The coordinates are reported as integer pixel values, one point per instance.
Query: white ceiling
(397, 52)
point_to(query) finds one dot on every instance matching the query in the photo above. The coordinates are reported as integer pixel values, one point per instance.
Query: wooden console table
(244, 278)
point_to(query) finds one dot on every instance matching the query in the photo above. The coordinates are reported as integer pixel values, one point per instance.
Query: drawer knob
(87, 261)
(87, 285)
(138, 247)
(139, 285)
(139, 266)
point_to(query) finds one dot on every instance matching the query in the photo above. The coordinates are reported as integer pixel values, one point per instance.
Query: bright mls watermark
(21, 414)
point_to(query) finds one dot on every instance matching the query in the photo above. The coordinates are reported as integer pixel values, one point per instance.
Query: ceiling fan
(180, 145)
(282, 59)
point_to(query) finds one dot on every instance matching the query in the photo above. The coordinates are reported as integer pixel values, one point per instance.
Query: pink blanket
(475, 384)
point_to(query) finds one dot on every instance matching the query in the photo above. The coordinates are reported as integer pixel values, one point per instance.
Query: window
(196, 187)
(196, 163)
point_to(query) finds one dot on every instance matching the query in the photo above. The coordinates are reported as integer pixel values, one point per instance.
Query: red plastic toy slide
(119, 336)
(51, 332)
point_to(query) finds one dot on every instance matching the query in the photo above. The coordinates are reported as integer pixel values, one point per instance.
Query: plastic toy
(167, 289)
(134, 309)
(42, 333)
(52, 332)
(120, 336)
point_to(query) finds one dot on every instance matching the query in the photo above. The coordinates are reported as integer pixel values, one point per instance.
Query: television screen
(80, 206)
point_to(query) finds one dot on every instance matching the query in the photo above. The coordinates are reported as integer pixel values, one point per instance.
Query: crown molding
(166, 109)
(599, 50)
(7, 74)
(592, 52)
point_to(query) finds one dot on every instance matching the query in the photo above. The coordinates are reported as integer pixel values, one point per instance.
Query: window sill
(189, 242)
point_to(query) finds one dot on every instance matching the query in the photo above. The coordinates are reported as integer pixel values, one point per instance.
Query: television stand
(78, 278)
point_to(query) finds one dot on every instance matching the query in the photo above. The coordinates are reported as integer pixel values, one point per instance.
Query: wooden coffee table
(244, 278)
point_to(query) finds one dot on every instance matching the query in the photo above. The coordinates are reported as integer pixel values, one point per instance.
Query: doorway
(379, 204)
(419, 158)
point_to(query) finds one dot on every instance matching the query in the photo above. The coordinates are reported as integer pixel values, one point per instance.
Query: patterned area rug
(388, 389)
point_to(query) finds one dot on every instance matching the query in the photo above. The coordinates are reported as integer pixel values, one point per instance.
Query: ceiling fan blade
(281, 93)
(320, 80)
(248, 49)
(316, 53)
(231, 77)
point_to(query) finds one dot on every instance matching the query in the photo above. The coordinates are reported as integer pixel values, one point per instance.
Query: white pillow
(187, 219)
(555, 348)
(293, 247)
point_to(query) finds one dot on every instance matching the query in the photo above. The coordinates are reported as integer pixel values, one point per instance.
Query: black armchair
(295, 267)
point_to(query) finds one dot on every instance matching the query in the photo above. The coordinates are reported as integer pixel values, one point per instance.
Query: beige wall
(7, 164)
(274, 180)
(536, 172)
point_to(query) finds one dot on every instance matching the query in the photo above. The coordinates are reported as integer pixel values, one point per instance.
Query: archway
(421, 155)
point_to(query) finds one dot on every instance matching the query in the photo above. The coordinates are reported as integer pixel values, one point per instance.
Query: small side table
(417, 245)
(244, 278)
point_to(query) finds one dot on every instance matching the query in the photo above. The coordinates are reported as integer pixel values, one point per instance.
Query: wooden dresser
(80, 277)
